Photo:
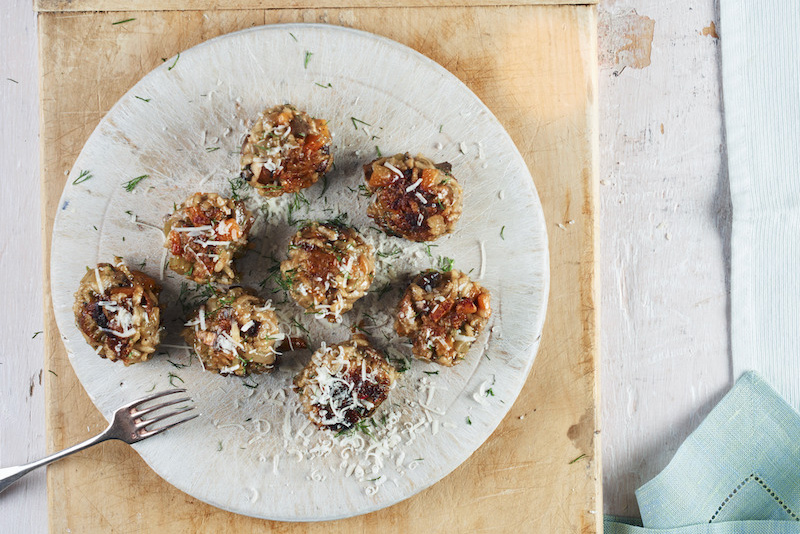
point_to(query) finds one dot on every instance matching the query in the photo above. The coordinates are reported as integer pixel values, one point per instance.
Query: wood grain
(535, 68)
(207, 5)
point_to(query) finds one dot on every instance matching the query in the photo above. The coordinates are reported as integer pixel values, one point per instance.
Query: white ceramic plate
(252, 452)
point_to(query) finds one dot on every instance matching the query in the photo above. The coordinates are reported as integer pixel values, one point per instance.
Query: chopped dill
(324, 186)
(297, 202)
(445, 264)
(394, 252)
(329, 86)
(122, 21)
(142, 99)
(131, 184)
(378, 150)
(293, 37)
(36, 334)
(307, 59)
(431, 372)
(237, 185)
(82, 177)
(356, 122)
(578, 458)
(176, 62)
(381, 291)
(212, 148)
(469, 421)
(297, 323)
(503, 229)
(172, 377)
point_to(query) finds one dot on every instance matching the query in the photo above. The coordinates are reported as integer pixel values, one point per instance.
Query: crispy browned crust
(442, 313)
(120, 320)
(413, 198)
(207, 254)
(329, 268)
(344, 384)
(285, 151)
(234, 332)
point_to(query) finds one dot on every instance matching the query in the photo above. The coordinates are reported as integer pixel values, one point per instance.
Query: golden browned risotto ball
(413, 198)
(442, 313)
(328, 269)
(117, 311)
(234, 332)
(205, 234)
(285, 151)
(344, 383)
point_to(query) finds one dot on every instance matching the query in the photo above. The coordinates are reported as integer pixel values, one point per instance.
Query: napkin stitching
(763, 484)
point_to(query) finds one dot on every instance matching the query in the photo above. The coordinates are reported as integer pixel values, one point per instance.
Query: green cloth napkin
(739, 472)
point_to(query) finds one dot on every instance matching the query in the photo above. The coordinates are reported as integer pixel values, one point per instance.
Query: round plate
(252, 451)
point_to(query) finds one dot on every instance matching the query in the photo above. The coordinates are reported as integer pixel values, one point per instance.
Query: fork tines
(142, 424)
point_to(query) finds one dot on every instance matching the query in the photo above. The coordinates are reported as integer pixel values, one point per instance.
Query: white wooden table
(665, 228)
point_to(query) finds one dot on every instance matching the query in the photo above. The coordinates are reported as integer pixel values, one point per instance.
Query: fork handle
(9, 475)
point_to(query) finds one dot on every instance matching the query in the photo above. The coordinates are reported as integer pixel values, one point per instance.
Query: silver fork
(129, 425)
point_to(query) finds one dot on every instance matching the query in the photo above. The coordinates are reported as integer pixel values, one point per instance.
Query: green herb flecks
(385, 288)
(293, 37)
(307, 59)
(356, 122)
(445, 264)
(175, 62)
(172, 378)
(329, 86)
(212, 148)
(237, 185)
(52, 372)
(82, 177)
(12, 80)
(431, 372)
(36, 334)
(297, 324)
(324, 186)
(394, 252)
(378, 151)
(503, 229)
(131, 184)
(469, 421)
(578, 458)
(122, 21)
(142, 99)
(298, 201)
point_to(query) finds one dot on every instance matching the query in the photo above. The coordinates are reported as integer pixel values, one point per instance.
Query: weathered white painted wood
(665, 229)
(23, 507)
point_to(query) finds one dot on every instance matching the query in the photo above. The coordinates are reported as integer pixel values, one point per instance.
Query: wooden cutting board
(535, 67)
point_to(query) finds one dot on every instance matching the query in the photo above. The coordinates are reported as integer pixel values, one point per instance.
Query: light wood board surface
(535, 68)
